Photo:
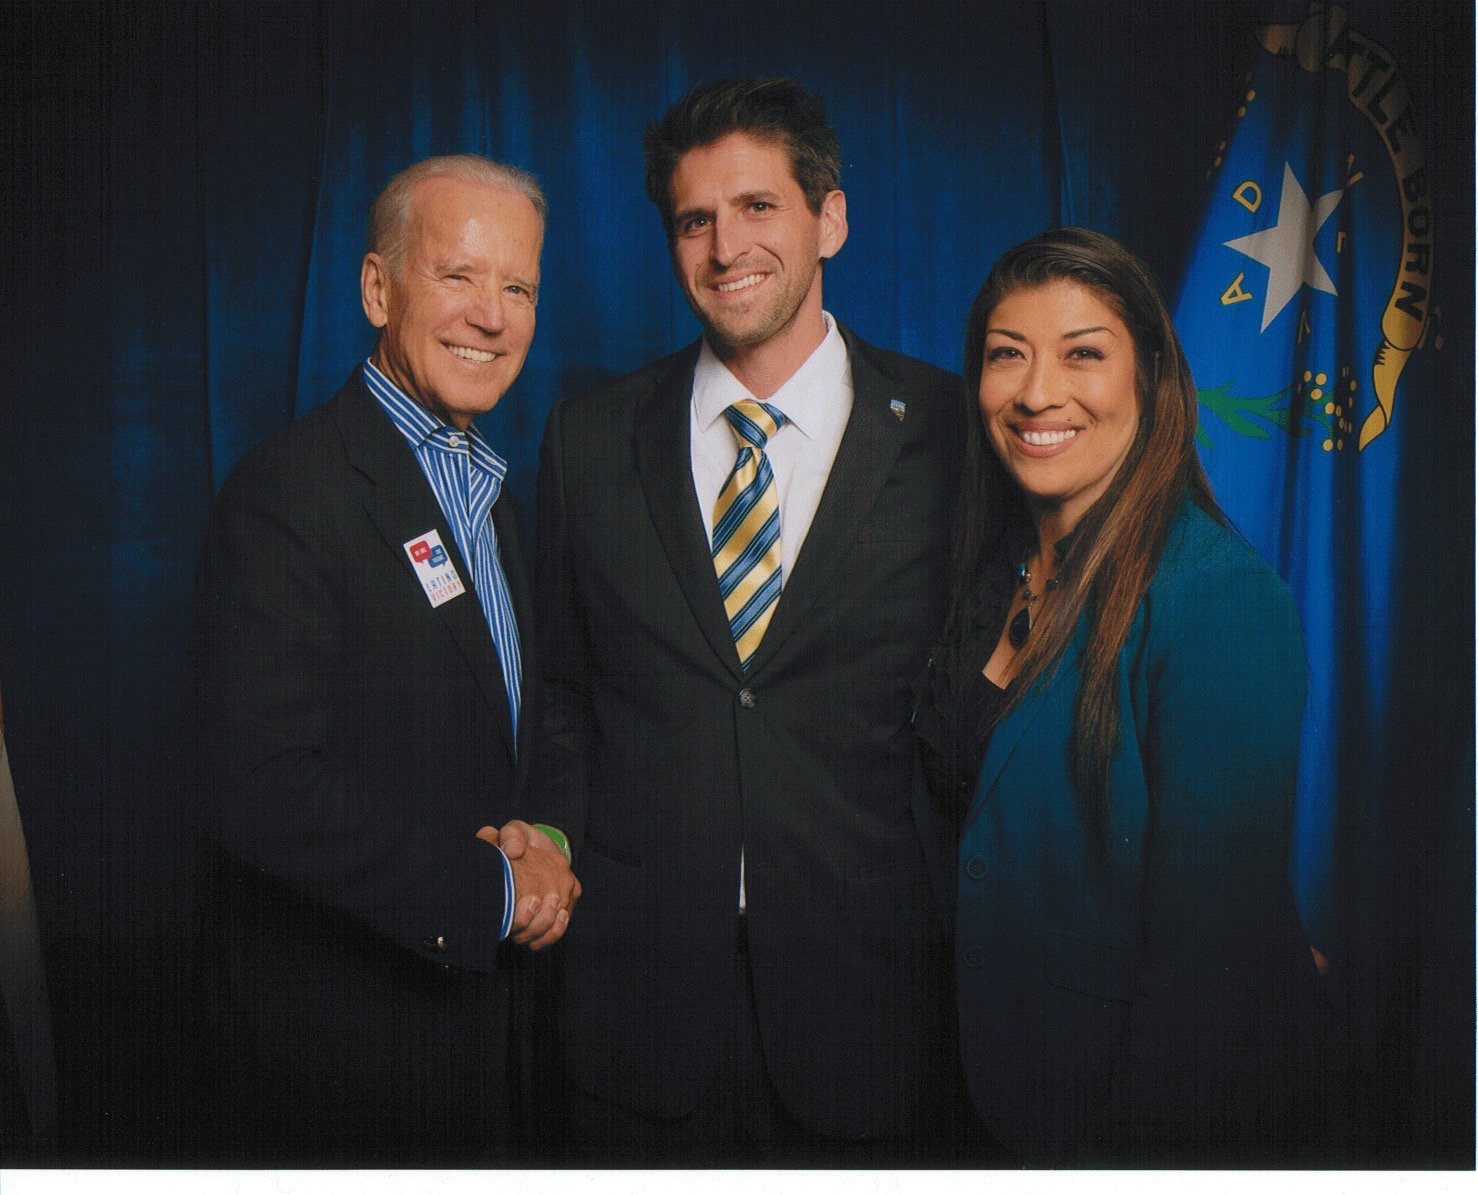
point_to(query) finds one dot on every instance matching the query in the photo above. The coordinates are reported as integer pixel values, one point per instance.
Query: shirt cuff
(510, 895)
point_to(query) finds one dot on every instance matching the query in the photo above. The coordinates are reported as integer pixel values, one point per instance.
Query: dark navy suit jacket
(354, 739)
(665, 758)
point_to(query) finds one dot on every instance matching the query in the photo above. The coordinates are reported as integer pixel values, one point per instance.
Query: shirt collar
(421, 428)
(802, 399)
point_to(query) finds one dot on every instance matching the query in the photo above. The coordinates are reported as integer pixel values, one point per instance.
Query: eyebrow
(749, 197)
(743, 199)
(1073, 335)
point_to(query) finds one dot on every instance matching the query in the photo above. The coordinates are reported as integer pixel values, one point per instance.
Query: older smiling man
(367, 700)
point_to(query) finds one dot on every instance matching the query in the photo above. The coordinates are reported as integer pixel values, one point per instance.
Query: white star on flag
(1287, 249)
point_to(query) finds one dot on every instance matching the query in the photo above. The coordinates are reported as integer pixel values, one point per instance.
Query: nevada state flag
(1307, 295)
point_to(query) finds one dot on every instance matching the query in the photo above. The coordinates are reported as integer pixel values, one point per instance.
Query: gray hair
(391, 212)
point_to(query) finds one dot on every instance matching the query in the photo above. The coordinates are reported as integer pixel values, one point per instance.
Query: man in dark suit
(367, 705)
(742, 566)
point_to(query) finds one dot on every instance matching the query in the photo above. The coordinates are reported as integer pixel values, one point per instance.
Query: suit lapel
(863, 463)
(664, 460)
(402, 506)
(1006, 737)
(864, 460)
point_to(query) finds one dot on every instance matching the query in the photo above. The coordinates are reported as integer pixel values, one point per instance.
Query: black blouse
(956, 707)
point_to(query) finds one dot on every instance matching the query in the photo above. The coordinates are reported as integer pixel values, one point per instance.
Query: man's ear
(833, 223)
(374, 289)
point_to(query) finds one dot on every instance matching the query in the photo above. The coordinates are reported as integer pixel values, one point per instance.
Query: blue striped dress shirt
(466, 476)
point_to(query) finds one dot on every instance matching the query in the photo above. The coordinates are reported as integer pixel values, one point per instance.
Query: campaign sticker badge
(434, 568)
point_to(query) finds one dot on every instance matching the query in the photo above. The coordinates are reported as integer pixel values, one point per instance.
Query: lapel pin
(898, 407)
(434, 568)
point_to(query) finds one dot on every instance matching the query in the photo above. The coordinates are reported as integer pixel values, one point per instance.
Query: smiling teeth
(748, 281)
(1045, 439)
(471, 354)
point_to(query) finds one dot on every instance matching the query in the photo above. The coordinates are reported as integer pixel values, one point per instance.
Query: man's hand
(547, 887)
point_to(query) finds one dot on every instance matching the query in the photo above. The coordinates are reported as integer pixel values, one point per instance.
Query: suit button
(973, 957)
(976, 867)
(747, 698)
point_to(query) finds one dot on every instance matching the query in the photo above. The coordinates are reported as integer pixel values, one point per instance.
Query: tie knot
(754, 422)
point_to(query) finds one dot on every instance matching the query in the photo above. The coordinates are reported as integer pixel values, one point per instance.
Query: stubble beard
(743, 329)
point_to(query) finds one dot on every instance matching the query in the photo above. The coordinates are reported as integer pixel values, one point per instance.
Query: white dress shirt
(816, 403)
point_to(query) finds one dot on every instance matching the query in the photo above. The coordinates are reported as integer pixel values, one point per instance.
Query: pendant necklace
(1021, 624)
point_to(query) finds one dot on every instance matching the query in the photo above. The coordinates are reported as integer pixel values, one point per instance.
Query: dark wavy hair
(778, 110)
(1113, 553)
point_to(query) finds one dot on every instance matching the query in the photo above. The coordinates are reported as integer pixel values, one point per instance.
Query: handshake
(546, 888)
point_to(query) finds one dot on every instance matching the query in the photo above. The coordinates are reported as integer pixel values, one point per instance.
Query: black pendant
(1020, 628)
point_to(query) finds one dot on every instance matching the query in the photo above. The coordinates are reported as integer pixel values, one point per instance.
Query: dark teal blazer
(1150, 999)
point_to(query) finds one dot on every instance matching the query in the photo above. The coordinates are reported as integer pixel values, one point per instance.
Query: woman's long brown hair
(1112, 556)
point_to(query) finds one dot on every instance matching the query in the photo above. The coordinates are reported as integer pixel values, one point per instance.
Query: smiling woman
(1057, 396)
(1113, 722)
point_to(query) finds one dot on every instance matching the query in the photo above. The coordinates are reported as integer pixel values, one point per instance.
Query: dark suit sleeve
(1224, 972)
(284, 791)
(561, 783)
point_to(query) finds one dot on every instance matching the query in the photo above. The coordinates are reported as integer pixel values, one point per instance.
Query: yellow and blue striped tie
(746, 529)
